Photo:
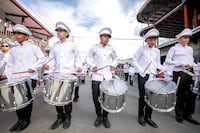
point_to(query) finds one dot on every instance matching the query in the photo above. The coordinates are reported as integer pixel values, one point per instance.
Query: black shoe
(141, 121)
(179, 119)
(75, 99)
(192, 120)
(151, 123)
(66, 123)
(98, 121)
(106, 122)
(15, 126)
(24, 124)
(56, 124)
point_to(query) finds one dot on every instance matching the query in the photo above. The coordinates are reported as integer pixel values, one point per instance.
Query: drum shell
(160, 94)
(110, 101)
(161, 102)
(112, 104)
(14, 96)
(58, 92)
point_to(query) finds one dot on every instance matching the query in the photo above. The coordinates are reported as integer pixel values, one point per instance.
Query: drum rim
(57, 103)
(162, 110)
(18, 107)
(117, 94)
(53, 77)
(15, 83)
(170, 92)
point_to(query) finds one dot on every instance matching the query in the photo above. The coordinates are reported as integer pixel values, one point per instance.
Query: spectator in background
(4, 53)
(131, 74)
(126, 68)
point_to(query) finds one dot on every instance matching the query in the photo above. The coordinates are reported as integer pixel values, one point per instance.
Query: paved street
(83, 117)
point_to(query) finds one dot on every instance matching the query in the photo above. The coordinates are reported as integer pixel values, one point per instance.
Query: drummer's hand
(31, 71)
(2, 77)
(79, 69)
(45, 67)
(112, 68)
(188, 66)
(94, 69)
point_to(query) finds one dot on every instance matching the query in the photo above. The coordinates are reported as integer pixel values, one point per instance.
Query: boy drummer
(99, 56)
(24, 57)
(181, 57)
(146, 61)
(66, 59)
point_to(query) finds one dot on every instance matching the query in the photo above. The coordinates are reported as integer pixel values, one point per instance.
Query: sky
(87, 17)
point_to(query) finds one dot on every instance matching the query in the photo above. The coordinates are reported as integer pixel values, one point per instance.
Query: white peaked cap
(185, 32)
(61, 25)
(152, 33)
(22, 29)
(105, 31)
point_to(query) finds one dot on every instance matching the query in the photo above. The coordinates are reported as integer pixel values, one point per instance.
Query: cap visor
(106, 35)
(19, 31)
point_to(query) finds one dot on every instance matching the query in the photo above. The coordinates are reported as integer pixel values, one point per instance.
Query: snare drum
(59, 88)
(161, 94)
(14, 95)
(113, 95)
(196, 88)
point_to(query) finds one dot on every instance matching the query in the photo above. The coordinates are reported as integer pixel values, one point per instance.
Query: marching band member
(24, 57)
(146, 60)
(100, 56)
(66, 59)
(181, 57)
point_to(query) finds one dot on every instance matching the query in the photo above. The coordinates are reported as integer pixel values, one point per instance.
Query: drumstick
(162, 71)
(20, 72)
(147, 66)
(195, 66)
(49, 60)
(167, 68)
(178, 82)
(187, 72)
(102, 67)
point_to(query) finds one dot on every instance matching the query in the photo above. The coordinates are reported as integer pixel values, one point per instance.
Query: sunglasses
(4, 46)
(61, 30)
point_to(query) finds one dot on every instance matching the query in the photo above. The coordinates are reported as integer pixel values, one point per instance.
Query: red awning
(11, 10)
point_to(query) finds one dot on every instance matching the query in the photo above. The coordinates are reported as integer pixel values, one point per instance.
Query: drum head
(63, 76)
(161, 86)
(17, 80)
(114, 87)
